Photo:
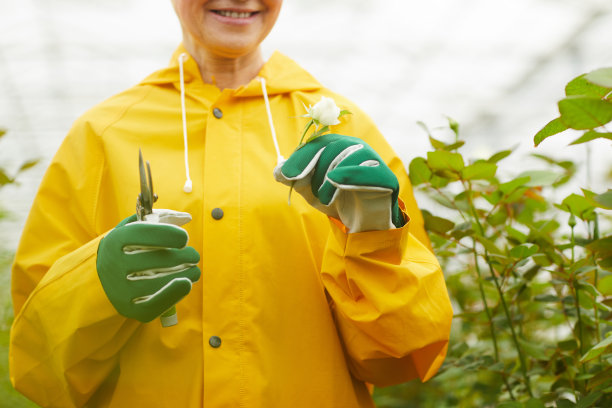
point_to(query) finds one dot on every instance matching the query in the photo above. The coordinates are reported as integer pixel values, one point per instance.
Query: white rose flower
(325, 112)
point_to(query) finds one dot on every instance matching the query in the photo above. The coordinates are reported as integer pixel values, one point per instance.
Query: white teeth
(234, 14)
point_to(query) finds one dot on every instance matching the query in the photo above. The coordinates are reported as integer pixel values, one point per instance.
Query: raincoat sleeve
(66, 335)
(387, 291)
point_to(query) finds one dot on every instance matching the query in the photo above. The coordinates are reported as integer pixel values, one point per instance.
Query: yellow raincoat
(306, 313)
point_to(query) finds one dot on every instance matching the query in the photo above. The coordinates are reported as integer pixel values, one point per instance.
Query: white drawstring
(279, 157)
(188, 184)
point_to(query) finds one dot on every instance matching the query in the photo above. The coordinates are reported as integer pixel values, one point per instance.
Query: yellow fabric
(307, 313)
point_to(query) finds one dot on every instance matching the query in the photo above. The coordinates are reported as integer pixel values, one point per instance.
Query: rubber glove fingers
(163, 299)
(356, 178)
(144, 234)
(345, 178)
(144, 266)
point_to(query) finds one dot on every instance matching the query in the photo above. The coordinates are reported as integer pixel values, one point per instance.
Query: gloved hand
(145, 267)
(346, 179)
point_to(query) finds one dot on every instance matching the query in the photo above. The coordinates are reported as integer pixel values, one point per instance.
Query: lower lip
(234, 20)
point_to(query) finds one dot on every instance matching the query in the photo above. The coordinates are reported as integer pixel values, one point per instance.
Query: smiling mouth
(235, 14)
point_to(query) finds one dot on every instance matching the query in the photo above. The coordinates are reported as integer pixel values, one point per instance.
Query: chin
(235, 50)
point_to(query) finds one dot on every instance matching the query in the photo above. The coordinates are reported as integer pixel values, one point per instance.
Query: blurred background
(496, 67)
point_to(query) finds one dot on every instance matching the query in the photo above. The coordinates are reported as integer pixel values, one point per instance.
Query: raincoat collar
(282, 75)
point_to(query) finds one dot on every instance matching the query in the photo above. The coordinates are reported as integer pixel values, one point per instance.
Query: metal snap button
(215, 341)
(217, 113)
(217, 213)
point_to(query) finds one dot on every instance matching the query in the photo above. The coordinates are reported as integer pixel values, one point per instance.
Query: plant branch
(489, 317)
(502, 299)
(450, 200)
(308, 125)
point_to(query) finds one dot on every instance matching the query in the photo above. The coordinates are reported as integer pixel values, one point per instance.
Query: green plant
(530, 278)
(8, 395)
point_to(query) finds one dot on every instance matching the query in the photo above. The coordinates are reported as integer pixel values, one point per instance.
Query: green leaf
(568, 166)
(498, 218)
(418, 171)
(487, 244)
(439, 182)
(510, 404)
(589, 400)
(587, 287)
(564, 164)
(534, 403)
(583, 269)
(524, 251)
(531, 272)
(542, 260)
(28, 164)
(601, 77)
(597, 350)
(602, 250)
(443, 160)
(318, 133)
(583, 377)
(584, 112)
(579, 206)
(4, 178)
(602, 379)
(516, 234)
(539, 177)
(454, 146)
(605, 263)
(499, 156)
(591, 135)
(512, 185)
(605, 308)
(568, 345)
(516, 195)
(479, 171)
(534, 350)
(551, 128)
(444, 201)
(565, 403)
(462, 230)
(435, 224)
(605, 199)
(581, 86)
(436, 144)
(459, 349)
(440, 145)
(605, 285)
(601, 247)
(546, 298)
(585, 301)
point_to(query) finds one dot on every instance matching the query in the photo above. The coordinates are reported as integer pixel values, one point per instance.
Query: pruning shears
(144, 207)
(146, 198)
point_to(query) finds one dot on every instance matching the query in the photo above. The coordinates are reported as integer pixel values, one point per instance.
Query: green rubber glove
(345, 178)
(145, 267)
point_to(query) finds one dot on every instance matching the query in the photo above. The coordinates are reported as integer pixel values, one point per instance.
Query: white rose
(325, 112)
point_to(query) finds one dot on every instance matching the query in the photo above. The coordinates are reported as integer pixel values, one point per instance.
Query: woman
(298, 305)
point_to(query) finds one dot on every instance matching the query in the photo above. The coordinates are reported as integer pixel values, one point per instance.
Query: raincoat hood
(280, 75)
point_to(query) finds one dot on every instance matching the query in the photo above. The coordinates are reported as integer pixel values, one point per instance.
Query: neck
(226, 72)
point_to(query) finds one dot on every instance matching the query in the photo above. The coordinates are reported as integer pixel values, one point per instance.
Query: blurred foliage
(530, 278)
(8, 396)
